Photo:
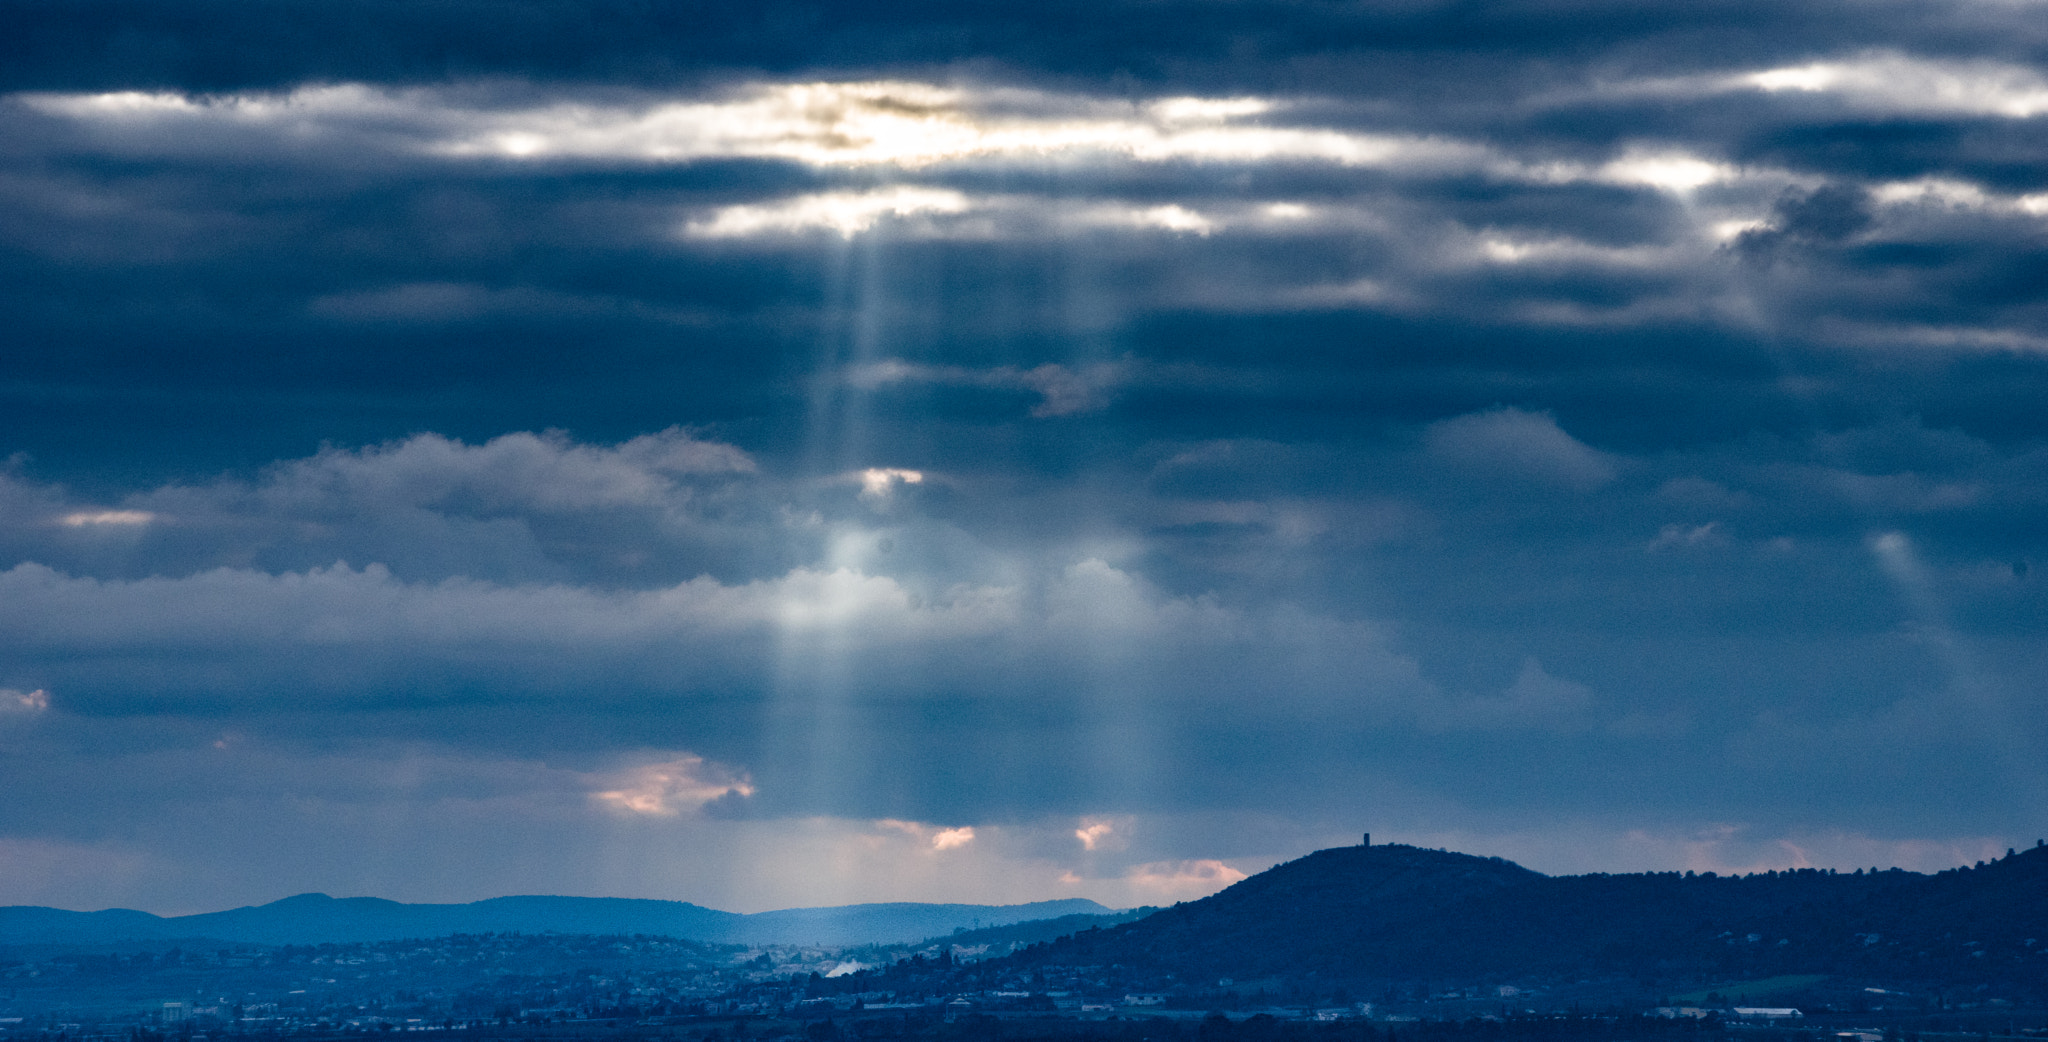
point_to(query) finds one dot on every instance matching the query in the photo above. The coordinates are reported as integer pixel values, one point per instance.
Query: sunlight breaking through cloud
(1896, 82)
(846, 124)
(878, 482)
(1097, 833)
(113, 518)
(846, 213)
(669, 789)
(932, 837)
(1183, 880)
(1671, 171)
(949, 839)
(902, 124)
(922, 212)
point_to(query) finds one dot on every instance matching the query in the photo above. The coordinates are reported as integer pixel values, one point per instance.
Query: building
(1767, 1013)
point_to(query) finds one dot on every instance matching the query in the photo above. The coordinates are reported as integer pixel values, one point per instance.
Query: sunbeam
(770, 455)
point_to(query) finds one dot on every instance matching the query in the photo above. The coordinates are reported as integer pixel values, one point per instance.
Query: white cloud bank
(909, 159)
(1894, 82)
(905, 125)
(827, 124)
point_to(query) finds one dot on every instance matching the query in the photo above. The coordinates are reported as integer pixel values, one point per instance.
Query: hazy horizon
(1932, 868)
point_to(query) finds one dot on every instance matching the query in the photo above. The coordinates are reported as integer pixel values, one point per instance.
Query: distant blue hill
(318, 918)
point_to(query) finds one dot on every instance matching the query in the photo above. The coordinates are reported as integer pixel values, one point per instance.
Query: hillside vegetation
(1405, 913)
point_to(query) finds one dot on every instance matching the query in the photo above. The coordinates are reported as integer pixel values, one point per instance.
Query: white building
(1767, 1013)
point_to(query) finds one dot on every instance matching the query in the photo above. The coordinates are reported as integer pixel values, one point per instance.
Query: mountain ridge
(313, 918)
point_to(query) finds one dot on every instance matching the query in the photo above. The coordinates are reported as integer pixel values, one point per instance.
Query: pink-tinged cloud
(1094, 833)
(12, 701)
(948, 839)
(116, 518)
(1182, 880)
(670, 789)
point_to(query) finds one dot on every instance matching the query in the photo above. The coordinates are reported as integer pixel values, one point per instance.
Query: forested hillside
(1398, 912)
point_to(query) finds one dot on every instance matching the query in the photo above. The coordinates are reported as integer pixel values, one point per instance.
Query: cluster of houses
(1739, 1014)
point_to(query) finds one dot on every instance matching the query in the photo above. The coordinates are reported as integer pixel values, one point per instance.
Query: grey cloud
(696, 654)
(1536, 701)
(439, 302)
(1062, 390)
(1317, 407)
(1518, 444)
(1090, 653)
(1460, 223)
(516, 506)
(294, 631)
(1826, 215)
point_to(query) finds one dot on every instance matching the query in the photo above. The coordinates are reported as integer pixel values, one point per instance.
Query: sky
(795, 454)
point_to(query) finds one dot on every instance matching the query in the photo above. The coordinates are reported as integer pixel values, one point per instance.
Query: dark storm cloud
(1107, 429)
(215, 46)
(1703, 544)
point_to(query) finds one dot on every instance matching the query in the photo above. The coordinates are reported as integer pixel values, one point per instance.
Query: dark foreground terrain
(1378, 944)
(1211, 1027)
(1405, 914)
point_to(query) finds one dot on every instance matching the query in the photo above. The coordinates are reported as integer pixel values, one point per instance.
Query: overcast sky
(803, 453)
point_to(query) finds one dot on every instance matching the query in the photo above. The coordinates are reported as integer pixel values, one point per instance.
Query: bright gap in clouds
(844, 124)
(1895, 82)
(940, 128)
(943, 134)
(114, 518)
(846, 213)
(673, 788)
(906, 125)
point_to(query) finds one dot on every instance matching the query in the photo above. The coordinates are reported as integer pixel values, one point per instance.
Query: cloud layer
(996, 454)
